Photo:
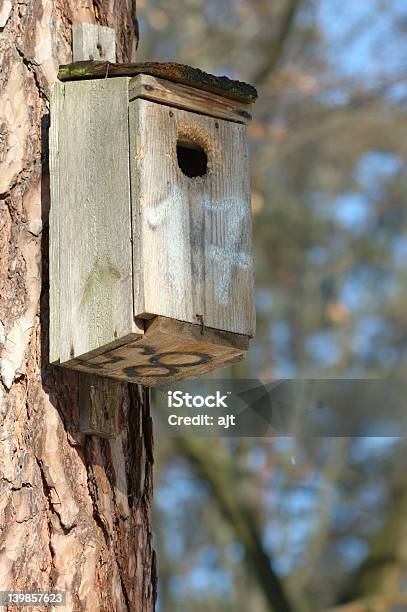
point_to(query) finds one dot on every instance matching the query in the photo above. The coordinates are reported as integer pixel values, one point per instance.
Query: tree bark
(74, 510)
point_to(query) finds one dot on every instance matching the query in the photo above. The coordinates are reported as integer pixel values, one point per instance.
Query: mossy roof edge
(178, 73)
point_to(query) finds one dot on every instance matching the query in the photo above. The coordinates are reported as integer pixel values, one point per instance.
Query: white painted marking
(168, 214)
(228, 257)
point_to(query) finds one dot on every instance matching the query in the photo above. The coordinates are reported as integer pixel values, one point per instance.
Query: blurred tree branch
(330, 474)
(223, 481)
(278, 45)
(373, 604)
(382, 571)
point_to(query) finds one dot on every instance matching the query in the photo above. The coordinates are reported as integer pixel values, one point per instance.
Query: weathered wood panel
(55, 192)
(188, 98)
(169, 350)
(95, 270)
(192, 236)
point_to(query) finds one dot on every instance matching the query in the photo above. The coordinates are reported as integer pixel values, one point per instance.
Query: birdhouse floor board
(169, 350)
(188, 98)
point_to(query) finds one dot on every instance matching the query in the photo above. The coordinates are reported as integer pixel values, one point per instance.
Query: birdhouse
(151, 271)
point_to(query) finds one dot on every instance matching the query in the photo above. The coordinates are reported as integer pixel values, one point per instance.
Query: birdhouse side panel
(91, 197)
(191, 218)
(56, 104)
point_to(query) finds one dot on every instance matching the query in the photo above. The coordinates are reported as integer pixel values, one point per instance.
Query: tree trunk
(74, 510)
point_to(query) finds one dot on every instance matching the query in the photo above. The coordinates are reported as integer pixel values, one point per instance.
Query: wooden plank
(188, 98)
(94, 206)
(136, 197)
(54, 342)
(93, 42)
(98, 398)
(170, 350)
(191, 236)
(171, 71)
(89, 40)
(98, 401)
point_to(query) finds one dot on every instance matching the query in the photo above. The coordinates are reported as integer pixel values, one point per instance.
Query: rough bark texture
(74, 510)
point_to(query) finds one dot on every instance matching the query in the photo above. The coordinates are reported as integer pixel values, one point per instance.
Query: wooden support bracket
(93, 42)
(98, 397)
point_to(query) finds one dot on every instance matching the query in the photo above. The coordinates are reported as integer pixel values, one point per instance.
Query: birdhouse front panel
(151, 273)
(191, 211)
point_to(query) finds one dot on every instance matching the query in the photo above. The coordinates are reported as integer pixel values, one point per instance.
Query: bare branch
(224, 485)
(373, 604)
(278, 45)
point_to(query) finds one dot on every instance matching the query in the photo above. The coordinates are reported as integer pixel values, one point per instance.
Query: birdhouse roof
(178, 73)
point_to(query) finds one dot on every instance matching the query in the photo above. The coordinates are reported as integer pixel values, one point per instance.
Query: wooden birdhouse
(151, 272)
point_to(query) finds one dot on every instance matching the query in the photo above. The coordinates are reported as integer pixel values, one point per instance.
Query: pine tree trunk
(74, 509)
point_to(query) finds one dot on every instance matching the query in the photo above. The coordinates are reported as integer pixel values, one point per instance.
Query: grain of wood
(55, 192)
(94, 211)
(192, 247)
(188, 98)
(99, 401)
(93, 42)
